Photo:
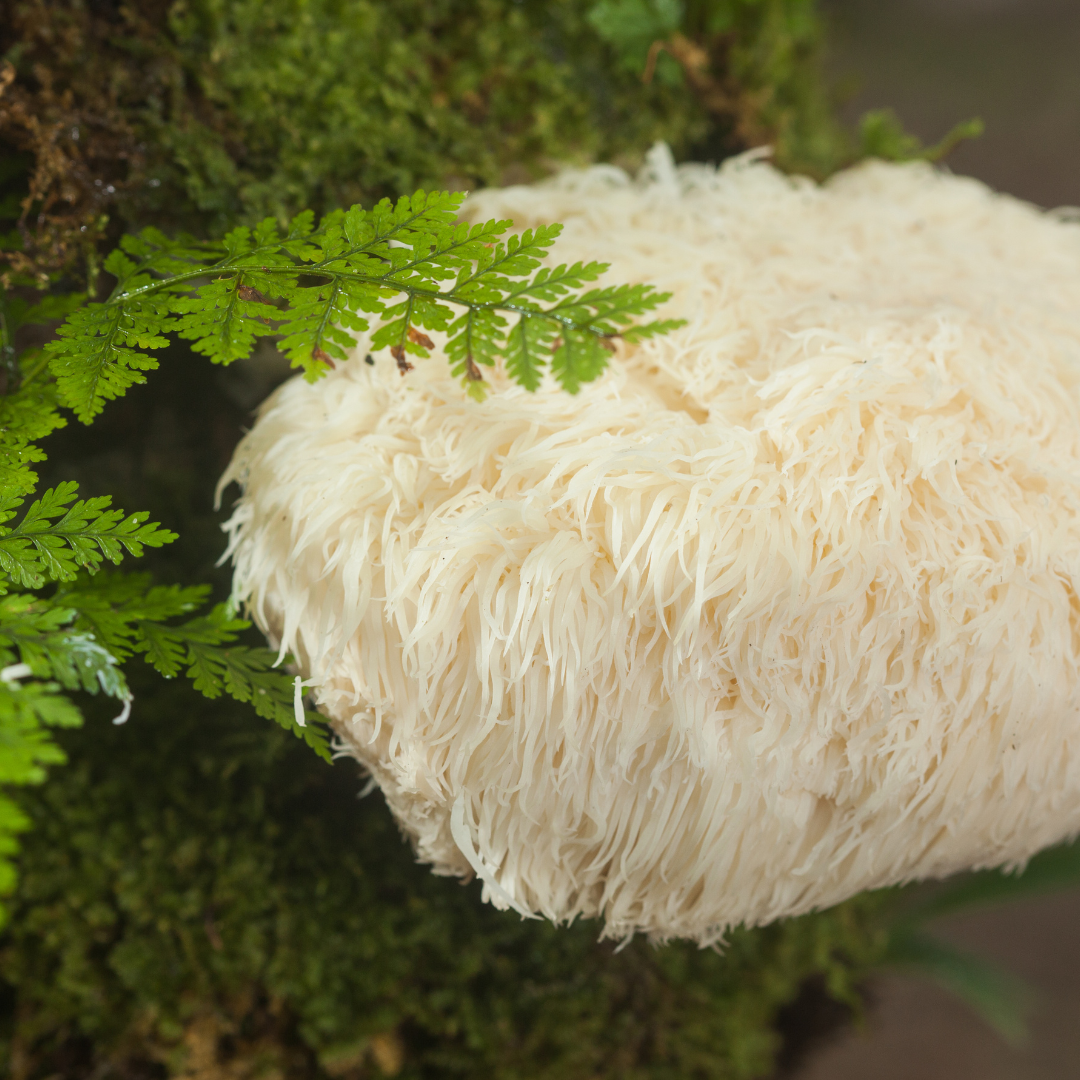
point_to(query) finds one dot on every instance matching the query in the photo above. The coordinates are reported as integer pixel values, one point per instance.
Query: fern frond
(128, 615)
(28, 406)
(578, 359)
(37, 633)
(528, 347)
(98, 355)
(28, 414)
(120, 610)
(206, 647)
(411, 265)
(553, 284)
(224, 319)
(642, 331)
(151, 252)
(27, 711)
(57, 536)
(317, 323)
(37, 642)
(247, 675)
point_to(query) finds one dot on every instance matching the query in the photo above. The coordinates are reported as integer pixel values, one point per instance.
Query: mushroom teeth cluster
(783, 607)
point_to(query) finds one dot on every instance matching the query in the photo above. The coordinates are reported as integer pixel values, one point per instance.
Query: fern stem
(384, 282)
(326, 314)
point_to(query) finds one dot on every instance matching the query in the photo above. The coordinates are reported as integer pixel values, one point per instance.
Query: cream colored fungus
(783, 607)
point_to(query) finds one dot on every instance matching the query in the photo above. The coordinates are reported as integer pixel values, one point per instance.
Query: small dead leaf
(323, 357)
(472, 372)
(398, 353)
(246, 292)
(417, 338)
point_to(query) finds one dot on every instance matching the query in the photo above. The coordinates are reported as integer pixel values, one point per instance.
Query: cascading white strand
(783, 607)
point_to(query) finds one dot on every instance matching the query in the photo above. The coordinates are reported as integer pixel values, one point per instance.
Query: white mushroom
(783, 607)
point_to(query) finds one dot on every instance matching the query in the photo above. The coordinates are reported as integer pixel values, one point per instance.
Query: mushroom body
(783, 607)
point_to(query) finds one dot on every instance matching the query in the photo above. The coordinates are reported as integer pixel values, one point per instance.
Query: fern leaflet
(57, 536)
(402, 269)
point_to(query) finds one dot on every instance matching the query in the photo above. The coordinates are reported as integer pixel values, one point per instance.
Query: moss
(207, 112)
(203, 113)
(200, 884)
(331, 103)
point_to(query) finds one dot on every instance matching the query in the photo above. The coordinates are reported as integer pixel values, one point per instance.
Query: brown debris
(323, 357)
(421, 339)
(721, 97)
(247, 292)
(389, 1052)
(398, 353)
(83, 153)
(81, 72)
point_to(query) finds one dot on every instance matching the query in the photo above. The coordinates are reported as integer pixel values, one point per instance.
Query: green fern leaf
(169, 648)
(27, 711)
(26, 415)
(123, 611)
(28, 406)
(43, 548)
(216, 665)
(318, 320)
(154, 254)
(224, 319)
(642, 331)
(410, 264)
(37, 632)
(528, 347)
(98, 355)
(127, 615)
(553, 284)
(248, 675)
(579, 359)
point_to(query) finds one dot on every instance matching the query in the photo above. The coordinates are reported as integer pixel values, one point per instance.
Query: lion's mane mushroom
(783, 607)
